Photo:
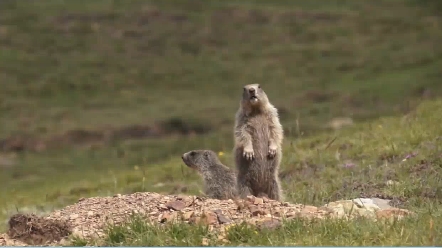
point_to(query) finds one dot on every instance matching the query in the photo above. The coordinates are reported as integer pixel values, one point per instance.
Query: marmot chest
(258, 128)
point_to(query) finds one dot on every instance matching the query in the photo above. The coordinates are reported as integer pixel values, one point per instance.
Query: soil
(89, 218)
(35, 230)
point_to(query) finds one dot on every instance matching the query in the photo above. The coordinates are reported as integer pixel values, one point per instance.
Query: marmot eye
(192, 154)
(259, 86)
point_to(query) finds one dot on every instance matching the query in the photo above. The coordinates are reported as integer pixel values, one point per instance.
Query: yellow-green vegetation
(82, 81)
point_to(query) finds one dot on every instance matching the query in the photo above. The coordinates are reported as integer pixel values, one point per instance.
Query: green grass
(314, 174)
(102, 65)
(292, 233)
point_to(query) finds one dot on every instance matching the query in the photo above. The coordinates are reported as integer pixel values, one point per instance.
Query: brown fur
(219, 180)
(258, 136)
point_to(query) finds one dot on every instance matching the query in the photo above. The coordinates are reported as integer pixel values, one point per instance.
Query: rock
(168, 216)
(258, 201)
(181, 197)
(308, 208)
(162, 207)
(307, 212)
(257, 211)
(348, 209)
(176, 205)
(365, 207)
(366, 203)
(265, 199)
(269, 223)
(363, 201)
(277, 212)
(188, 215)
(251, 198)
(382, 203)
(393, 213)
(222, 219)
(73, 216)
(195, 220)
(337, 208)
(209, 218)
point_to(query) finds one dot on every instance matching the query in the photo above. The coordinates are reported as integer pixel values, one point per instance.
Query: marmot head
(253, 96)
(200, 160)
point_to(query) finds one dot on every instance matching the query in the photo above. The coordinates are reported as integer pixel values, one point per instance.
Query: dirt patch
(81, 137)
(35, 230)
(90, 218)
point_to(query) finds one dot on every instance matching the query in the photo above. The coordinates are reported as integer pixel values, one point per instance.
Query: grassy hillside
(398, 158)
(102, 96)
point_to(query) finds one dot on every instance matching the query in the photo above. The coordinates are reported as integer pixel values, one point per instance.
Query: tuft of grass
(75, 241)
(140, 233)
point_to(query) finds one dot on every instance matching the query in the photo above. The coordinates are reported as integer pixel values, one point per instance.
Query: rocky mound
(89, 217)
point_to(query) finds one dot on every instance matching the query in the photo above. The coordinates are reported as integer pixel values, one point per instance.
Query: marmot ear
(206, 154)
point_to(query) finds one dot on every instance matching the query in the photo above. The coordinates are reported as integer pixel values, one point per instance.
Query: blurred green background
(99, 97)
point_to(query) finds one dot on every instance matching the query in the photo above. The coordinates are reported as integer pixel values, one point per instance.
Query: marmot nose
(252, 90)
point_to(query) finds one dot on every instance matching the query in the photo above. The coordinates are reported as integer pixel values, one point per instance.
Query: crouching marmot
(258, 136)
(219, 180)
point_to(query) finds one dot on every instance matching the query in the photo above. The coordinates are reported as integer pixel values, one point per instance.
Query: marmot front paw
(272, 150)
(248, 153)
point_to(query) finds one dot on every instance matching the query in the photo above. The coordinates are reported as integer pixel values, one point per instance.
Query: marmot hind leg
(275, 191)
(244, 188)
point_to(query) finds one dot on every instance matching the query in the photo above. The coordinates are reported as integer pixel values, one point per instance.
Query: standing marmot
(219, 180)
(258, 139)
